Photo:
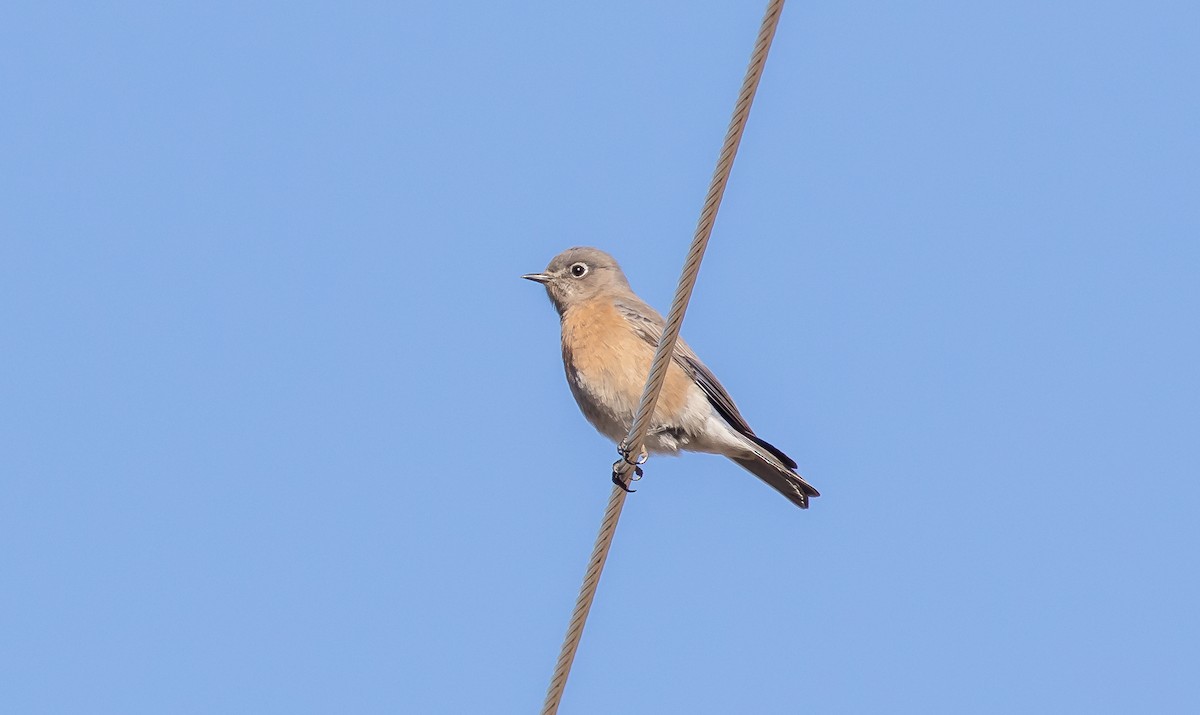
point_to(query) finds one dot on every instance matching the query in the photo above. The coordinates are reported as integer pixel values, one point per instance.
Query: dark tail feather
(787, 461)
(786, 482)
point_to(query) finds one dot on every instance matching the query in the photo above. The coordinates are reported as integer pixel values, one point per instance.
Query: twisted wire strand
(691, 267)
(634, 442)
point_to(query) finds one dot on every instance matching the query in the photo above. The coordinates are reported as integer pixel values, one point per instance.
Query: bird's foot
(627, 455)
(619, 469)
(619, 480)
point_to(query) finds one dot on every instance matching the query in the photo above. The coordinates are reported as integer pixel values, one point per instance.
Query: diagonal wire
(635, 440)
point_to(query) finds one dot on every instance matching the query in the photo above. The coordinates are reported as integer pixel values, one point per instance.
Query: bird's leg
(635, 462)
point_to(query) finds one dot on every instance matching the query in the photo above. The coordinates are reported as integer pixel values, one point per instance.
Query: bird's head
(580, 274)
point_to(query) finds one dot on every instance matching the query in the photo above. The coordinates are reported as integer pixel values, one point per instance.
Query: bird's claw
(617, 480)
(619, 469)
(627, 455)
(620, 481)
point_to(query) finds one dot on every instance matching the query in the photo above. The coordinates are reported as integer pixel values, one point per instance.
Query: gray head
(578, 274)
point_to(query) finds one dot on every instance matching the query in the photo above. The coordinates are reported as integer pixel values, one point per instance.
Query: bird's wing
(648, 325)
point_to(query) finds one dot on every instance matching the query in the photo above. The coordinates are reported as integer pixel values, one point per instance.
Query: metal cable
(635, 440)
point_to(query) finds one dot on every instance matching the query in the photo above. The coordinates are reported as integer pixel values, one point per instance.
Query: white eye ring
(579, 270)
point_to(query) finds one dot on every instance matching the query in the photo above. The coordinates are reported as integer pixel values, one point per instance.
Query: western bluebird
(609, 336)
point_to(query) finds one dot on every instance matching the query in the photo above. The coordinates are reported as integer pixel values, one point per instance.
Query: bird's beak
(537, 277)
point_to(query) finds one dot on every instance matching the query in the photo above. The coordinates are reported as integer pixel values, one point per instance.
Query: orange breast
(613, 361)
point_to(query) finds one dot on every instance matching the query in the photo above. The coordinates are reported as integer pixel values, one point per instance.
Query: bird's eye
(578, 270)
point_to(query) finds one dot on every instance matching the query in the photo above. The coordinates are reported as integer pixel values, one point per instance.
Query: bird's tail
(779, 475)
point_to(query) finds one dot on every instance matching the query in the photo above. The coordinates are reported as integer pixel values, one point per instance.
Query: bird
(609, 337)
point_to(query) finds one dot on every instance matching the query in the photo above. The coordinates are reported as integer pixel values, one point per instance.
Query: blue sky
(282, 431)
